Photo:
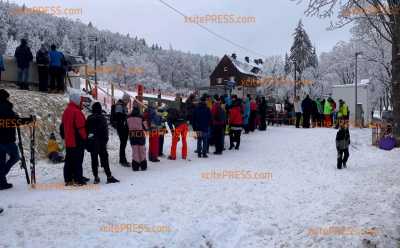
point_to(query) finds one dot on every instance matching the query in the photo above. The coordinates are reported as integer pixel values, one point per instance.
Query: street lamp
(295, 76)
(355, 90)
(94, 40)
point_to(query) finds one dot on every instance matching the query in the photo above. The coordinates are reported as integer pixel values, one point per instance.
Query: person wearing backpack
(97, 129)
(177, 123)
(219, 122)
(119, 121)
(154, 124)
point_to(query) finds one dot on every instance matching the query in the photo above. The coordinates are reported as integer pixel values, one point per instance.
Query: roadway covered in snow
(303, 196)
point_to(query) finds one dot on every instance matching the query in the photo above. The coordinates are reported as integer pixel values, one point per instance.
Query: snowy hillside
(160, 66)
(306, 192)
(48, 109)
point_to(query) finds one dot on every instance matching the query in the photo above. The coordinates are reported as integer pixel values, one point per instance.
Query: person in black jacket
(190, 106)
(97, 129)
(42, 60)
(24, 56)
(120, 117)
(342, 145)
(7, 139)
(307, 106)
(262, 108)
(201, 125)
(177, 122)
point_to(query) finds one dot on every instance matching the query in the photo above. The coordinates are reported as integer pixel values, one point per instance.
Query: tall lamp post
(355, 89)
(295, 76)
(94, 40)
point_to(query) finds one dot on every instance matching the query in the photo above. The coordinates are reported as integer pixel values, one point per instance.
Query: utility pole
(355, 89)
(295, 77)
(94, 39)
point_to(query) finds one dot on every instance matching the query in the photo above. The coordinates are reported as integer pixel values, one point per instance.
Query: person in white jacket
(297, 110)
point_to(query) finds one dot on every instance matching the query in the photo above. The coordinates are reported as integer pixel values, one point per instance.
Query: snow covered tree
(302, 54)
(384, 17)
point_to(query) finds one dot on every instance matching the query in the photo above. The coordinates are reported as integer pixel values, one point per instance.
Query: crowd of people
(318, 112)
(51, 66)
(208, 118)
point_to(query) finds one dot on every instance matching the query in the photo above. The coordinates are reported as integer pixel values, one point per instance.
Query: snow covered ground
(305, 191)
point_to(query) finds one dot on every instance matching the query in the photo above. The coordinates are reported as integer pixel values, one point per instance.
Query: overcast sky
(271, 34)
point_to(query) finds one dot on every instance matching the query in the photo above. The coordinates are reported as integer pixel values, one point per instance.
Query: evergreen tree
(302, 53)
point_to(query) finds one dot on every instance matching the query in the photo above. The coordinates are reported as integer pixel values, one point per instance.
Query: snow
(306, 191)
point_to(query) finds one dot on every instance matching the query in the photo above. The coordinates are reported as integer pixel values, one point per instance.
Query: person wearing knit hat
(97, 128)
(8, 144)
(74, 129)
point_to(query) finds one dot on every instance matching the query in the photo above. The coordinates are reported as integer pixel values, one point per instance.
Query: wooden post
(112, 94)
(86, 78)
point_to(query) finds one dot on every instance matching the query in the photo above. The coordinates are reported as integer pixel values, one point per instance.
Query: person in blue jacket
(201, 124)
(56, 70)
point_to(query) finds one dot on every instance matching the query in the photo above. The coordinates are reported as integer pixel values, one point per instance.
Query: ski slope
(305, 191)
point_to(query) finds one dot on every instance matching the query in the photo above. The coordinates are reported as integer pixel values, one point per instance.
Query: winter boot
(205, 155)
(85, 179)
(339, 164)
(5, 186)
(112, 180)
(143, 165)
(79, 184)
(125, 164)
(96, 180)
(135, 165)
(344, 165)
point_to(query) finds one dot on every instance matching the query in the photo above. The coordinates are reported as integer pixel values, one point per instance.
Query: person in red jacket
(235, 122)
(253, 115)
(218, 122)
(74, 132)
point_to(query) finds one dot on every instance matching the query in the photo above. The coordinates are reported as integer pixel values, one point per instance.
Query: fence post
(112, 94)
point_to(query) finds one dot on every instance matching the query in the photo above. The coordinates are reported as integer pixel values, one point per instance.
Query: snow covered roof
(245, 67)
(363, 83)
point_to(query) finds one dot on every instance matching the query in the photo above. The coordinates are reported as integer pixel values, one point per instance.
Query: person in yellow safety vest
(328, 113)
(343, 113)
